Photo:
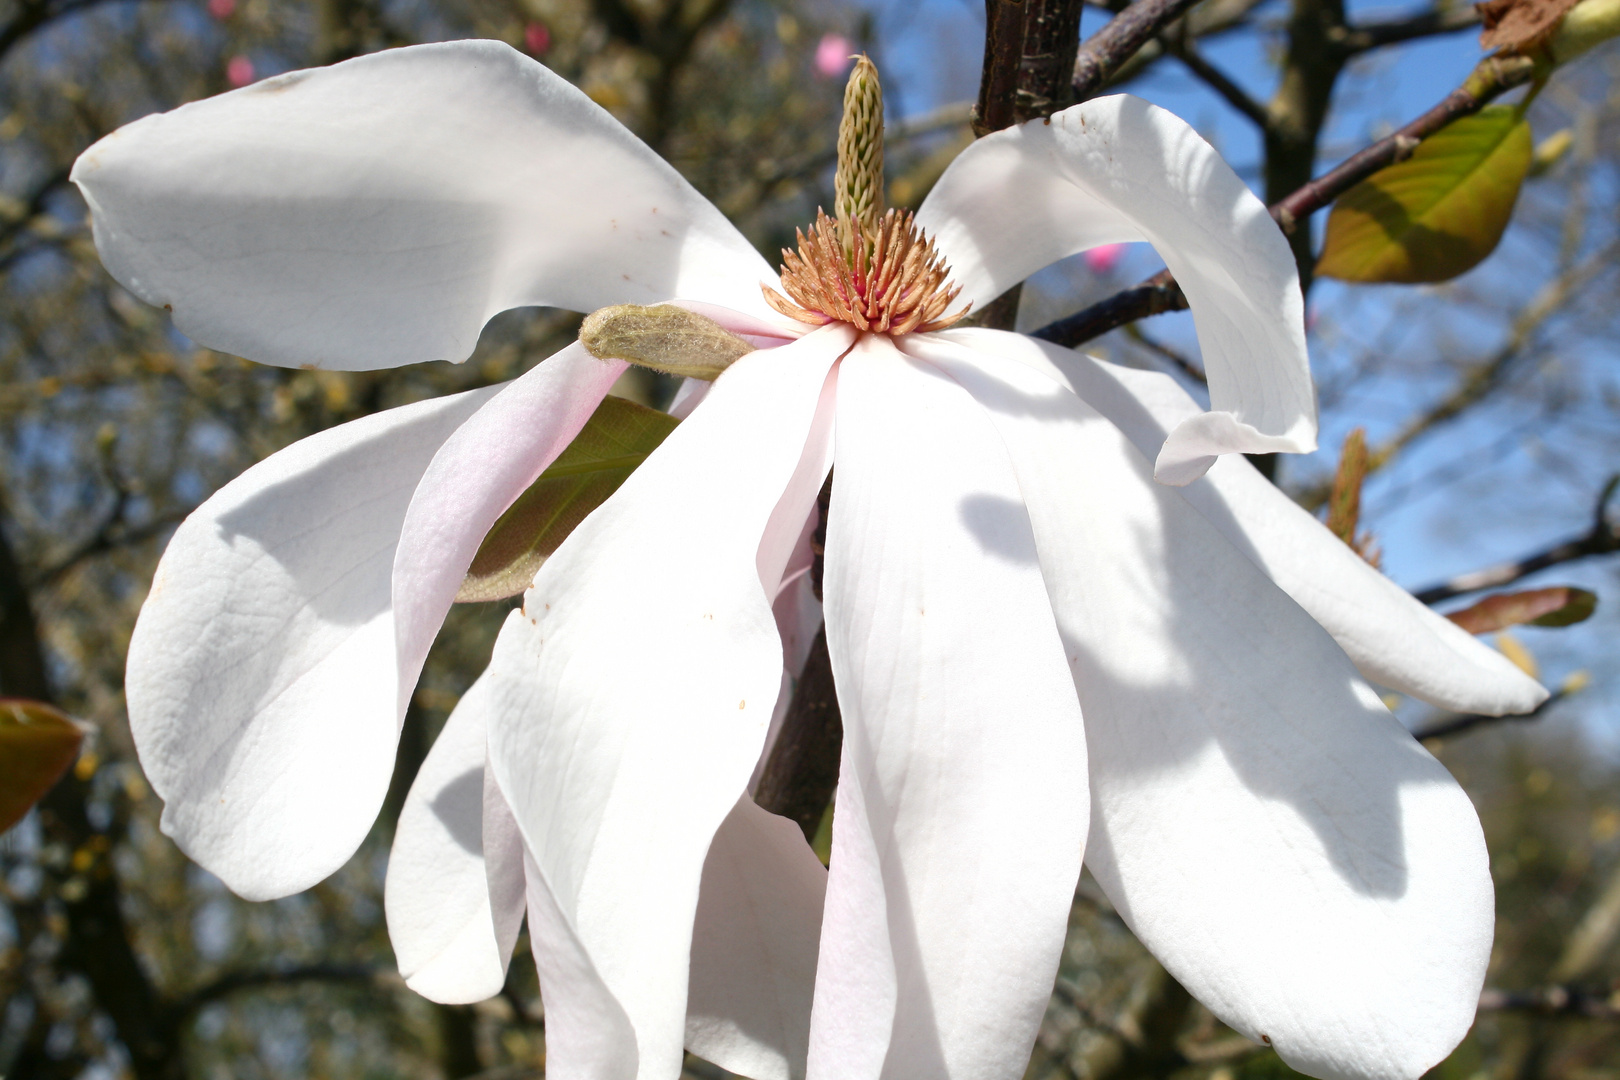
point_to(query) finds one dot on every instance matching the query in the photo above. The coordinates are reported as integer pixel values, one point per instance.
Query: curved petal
(475, 476)
(634, 691)
(1117, 169)
(1290, 853)
(962, 809)
(261, 676)
(1393, 639)
(453, 923)
(378, 212)
(754, 945)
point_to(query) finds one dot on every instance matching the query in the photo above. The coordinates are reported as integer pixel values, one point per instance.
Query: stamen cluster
(889, 279)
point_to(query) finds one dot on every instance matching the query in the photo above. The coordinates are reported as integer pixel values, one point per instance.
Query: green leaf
(615, 440)
(1562, 605)
(1438, 213)
(37, 744)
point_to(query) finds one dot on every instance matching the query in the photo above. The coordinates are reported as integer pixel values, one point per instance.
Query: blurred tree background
(120, 959)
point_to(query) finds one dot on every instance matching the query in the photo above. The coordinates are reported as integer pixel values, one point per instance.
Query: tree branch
(1376, 35)
(263, 978)
(1603, 538)
(1109, 48)
(1493, 77)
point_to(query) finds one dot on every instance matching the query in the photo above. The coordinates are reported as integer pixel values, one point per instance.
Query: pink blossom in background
(221, 9)
(239, 71)
(1102, 259)
(536, 38)
(833, 55)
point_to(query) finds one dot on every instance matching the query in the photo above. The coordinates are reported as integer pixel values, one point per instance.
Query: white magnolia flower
(1042, 655)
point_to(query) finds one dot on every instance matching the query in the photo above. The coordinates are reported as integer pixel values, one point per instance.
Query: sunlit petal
(379, 211)
(1115, 169)
(1393, 639)
(634, 690)
(1262, 823)
(962, 807)
(261, 677)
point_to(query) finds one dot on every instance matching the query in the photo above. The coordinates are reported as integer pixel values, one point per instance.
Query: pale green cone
(858, 184)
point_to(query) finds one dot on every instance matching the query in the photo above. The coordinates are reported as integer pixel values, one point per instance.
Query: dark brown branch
(1218, 81)
(1376, 35)
(1493, 77)
(802, 772)
(1603, 538)
(998, 83)
(1109, 48)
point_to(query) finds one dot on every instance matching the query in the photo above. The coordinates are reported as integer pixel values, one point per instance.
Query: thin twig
(1553, 1001)
(1603, 538)
(1493, 77)
(1218, 81)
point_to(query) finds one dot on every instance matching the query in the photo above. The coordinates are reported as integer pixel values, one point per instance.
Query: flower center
(888, 278)
(873, 270)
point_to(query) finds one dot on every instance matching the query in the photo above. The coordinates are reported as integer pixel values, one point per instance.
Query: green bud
(858, 184)
(664, 338)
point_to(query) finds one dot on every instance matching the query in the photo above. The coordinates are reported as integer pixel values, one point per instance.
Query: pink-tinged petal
(472, 480)
(962, 802)
(1117, 169)
(455, 891)
(754, 946)
(261, 677)
(1291, 854)
(378, 212)
(634, 690)
(1393, 639)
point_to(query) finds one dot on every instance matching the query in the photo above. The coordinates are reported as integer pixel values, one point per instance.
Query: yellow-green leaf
(37, 744)
(1438, 213)
(615, 440)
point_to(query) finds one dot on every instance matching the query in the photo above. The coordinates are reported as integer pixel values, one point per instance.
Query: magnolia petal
(1118, 169)
(261, 676)
(1393, 639)
(1262, 823)
(378, 212)
(452, 933)
(472, 480)
(588, 1035)
(754, 945)
(634, 690)
(962, 790)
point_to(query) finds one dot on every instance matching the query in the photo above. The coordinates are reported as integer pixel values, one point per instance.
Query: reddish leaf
(1558, 606)
(37, 744)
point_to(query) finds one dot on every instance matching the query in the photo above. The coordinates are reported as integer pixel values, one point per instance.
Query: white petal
(378, 212)
(261, 677)
(754, 947)
(588, 1035)
(474, 478)
(962, 802)
(452, 932)
(1117, 169)
(634, 692)
(1263, 824)
(1393, 639)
